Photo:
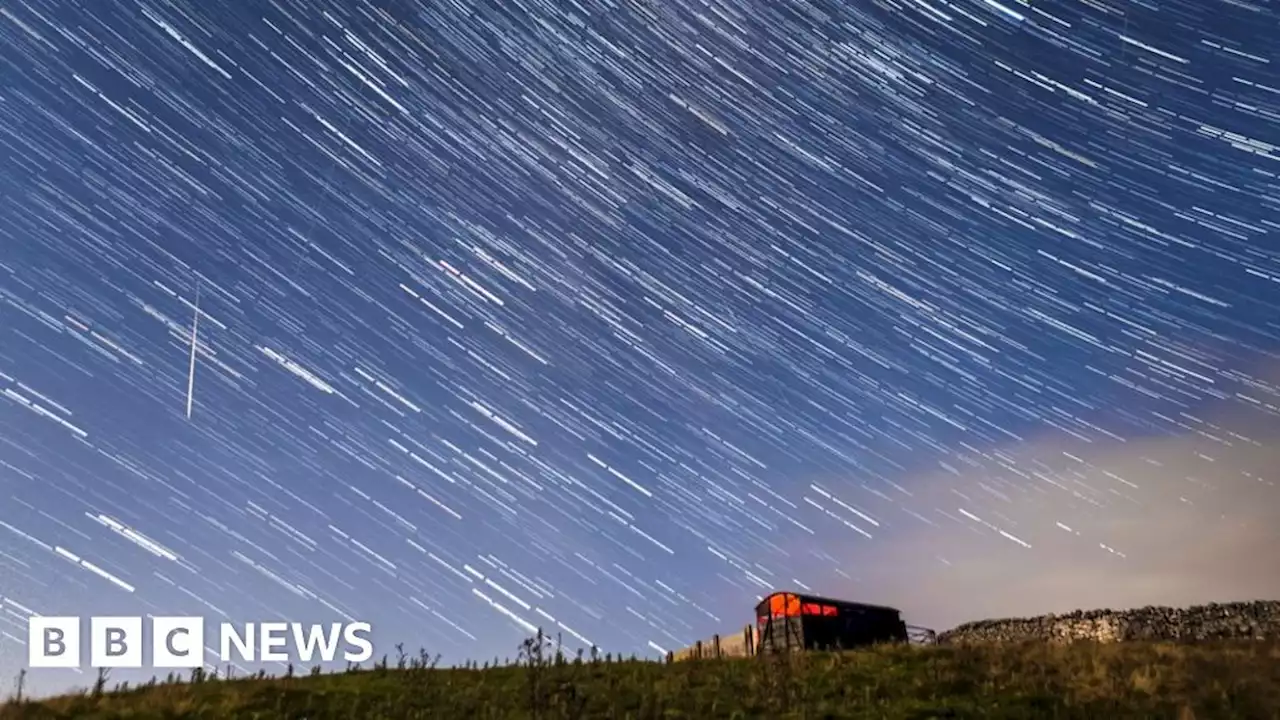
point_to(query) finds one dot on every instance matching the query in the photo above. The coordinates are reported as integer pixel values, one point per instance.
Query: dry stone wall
(1259, 620)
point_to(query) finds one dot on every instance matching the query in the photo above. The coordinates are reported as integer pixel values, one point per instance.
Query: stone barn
(790, 622)
(787, 621)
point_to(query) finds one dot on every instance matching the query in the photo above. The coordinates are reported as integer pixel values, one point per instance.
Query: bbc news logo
(179, 642)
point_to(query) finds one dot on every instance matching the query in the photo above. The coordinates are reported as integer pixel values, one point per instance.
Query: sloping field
(1089, 681)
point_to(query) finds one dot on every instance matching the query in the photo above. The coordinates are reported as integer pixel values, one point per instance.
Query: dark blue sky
(634, 309)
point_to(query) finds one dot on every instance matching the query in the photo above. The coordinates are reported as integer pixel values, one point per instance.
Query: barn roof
(848, 604)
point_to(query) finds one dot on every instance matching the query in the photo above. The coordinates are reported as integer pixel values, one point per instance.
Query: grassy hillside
(1086, 681)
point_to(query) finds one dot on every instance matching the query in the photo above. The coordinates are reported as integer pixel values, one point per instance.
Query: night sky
(609, 317)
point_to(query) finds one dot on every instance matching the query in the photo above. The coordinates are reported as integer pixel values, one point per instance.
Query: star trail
(468, 318)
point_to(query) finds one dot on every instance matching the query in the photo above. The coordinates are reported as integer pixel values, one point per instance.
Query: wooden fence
(739, 644)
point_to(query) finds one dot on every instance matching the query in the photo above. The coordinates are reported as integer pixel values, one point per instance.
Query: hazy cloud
(1178, 520)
